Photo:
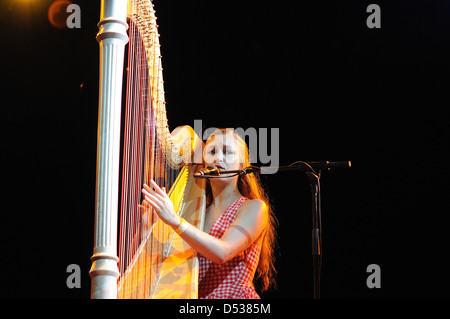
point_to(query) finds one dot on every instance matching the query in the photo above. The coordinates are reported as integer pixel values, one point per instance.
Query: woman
(237, 243)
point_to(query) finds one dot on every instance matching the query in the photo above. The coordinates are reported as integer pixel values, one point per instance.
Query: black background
(336, 90)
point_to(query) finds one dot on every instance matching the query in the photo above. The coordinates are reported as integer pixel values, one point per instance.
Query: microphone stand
(314, 181)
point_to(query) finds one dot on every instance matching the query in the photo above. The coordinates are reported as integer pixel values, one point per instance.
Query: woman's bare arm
(251, 219)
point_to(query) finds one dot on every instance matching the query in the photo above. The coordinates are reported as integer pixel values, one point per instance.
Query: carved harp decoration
(135, 146)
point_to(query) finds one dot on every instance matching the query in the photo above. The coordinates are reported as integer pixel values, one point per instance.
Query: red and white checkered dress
(233, 279)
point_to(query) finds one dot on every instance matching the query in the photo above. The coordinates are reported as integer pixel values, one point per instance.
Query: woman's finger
(148, 190)
(154, 191)
(157, 188)
(144, 204)
(152, 203)
(152, 195)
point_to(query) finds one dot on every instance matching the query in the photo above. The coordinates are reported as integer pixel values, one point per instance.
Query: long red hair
(250, 186)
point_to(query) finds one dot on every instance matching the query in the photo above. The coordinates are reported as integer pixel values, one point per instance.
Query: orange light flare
(23, 13)
(57, 14)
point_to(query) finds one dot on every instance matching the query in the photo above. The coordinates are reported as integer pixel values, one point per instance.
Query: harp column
(112, 37)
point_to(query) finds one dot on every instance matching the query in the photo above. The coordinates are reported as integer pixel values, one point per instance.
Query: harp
(152, 260)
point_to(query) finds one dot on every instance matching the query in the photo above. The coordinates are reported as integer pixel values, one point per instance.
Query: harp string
(132, 225)
(142, 239)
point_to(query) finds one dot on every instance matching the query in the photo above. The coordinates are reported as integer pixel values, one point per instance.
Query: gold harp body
(172, 272)
(154, 262)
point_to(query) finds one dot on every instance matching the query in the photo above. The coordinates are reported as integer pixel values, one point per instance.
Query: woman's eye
(228, 152)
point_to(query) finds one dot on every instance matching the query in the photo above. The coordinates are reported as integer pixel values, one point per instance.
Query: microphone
(210, 170)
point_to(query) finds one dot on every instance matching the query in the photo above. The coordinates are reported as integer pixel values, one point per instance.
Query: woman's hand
(161, 203)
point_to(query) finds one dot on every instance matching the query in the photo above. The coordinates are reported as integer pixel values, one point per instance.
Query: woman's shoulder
(253, 217)
(255, 205)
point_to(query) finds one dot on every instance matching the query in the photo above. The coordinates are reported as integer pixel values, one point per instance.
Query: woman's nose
(218, 157)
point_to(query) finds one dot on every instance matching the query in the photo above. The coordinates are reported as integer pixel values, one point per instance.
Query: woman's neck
(224, 194)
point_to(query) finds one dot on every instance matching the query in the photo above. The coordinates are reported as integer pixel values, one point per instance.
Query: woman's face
(223, 151)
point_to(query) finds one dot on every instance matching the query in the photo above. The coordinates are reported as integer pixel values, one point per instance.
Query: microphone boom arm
(296, 166)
